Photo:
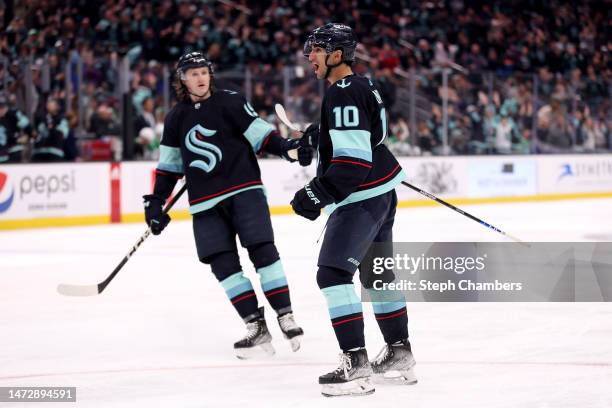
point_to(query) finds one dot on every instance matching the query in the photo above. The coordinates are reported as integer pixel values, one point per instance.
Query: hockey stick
(91, 290)
(460, 211)
(282, 115)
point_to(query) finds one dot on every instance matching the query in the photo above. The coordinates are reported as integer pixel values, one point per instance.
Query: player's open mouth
(315, 67)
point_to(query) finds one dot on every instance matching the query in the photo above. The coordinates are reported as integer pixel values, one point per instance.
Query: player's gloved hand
(308, 201)
(154, 213)
(304, 151)
(311, 135)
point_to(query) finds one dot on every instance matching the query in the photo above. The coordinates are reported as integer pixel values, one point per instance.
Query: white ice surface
(161, 335)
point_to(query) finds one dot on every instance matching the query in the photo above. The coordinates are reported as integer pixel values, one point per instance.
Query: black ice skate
(395, 364)
(257, 342)
(291, 330)
(352, 378)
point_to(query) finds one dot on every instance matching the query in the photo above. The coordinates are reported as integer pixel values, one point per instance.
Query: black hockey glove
(308, 201)
(154, 213)
(311, 135)
(304, 151)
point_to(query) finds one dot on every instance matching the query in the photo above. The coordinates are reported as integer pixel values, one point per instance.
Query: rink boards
(42, 195)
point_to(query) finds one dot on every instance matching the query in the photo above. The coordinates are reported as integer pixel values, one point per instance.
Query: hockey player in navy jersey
(355, 182)
(14, 125)
(212, 137)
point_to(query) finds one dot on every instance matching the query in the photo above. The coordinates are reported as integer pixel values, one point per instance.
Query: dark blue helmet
(332, 37)
(190, 60)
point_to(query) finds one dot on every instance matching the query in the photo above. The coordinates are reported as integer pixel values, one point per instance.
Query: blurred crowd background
(90, 80)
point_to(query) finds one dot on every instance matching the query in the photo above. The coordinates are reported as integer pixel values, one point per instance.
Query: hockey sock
(346, 315)
(274, 286)
(240, 292)
(226, 268)
(271, 275)
(391, 316)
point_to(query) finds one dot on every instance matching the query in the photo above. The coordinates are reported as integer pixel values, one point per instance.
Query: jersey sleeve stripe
(170, 159)
(368, 166)
(257, 132)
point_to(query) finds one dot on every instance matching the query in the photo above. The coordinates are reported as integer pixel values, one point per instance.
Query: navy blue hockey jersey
(11, 124)
(213, 143)
(354, 163)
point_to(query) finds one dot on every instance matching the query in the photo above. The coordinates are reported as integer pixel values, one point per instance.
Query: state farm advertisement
(30, 191)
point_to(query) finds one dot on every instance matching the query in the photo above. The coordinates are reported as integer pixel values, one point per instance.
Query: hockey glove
(311, 135)
(154, 213)
(304, 151)
(308, 201)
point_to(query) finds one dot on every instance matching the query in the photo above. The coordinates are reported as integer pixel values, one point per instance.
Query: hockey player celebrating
(356, 177)
(211, 137)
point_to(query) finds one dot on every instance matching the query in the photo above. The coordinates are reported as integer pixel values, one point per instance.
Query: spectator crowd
(458, 77)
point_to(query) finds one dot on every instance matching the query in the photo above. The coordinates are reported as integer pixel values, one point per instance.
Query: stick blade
(78, 290)
(282, 115)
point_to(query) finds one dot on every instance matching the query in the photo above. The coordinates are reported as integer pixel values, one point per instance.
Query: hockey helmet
(332, 37)
(190, 60)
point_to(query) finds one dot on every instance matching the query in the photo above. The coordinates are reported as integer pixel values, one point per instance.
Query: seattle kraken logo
(194, 141)
(343, 83)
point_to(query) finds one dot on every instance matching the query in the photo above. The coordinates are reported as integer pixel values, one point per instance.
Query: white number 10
(346, 116)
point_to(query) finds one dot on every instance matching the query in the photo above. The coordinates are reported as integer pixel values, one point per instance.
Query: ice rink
(161, 335)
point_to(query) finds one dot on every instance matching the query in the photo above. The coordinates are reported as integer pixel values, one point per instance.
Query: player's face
(317, 60)
(197, 81)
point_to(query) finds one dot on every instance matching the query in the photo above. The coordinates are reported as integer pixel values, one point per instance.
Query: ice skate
(351, 378)
(291, 330)
(257, 342)
(395, 364)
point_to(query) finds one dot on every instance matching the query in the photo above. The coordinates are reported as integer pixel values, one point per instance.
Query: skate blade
(296, 342)
(397, 377)
(261, 350)
(355, 388)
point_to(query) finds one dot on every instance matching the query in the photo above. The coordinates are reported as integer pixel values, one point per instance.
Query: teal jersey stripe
(350, 139)
(257, 131)
(51, 150)
(360, 154)
(170, 159)
(208, 204)
(276, 283)
(340, 295)
(366, 194)
(271, 272)
(340, 311)
(387, 307)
